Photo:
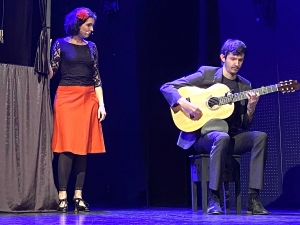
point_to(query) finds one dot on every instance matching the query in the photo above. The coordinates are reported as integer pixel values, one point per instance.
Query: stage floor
(149, 216)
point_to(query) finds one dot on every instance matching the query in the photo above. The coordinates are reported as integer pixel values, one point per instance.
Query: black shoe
(62, 205)
(254, 206)
(80, 208)
(214, 205)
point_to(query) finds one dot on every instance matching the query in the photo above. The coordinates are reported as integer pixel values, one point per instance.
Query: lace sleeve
(96, 75)
(55, 57)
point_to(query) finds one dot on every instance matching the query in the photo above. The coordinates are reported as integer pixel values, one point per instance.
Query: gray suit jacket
(205, 77)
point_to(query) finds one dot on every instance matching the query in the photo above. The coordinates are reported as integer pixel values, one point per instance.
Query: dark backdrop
(149, 42)
(167, 47)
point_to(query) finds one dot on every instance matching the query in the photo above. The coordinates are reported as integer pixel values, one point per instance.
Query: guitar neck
(243, 95)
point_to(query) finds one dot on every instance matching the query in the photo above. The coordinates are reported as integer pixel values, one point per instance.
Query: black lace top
(78, 63)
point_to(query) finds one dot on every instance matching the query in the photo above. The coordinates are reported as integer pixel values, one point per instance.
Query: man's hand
(194, 112)
(101, 113)
(253, 98)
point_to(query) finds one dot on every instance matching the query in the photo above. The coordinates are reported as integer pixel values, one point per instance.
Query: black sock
(253, 191)
(214, 192)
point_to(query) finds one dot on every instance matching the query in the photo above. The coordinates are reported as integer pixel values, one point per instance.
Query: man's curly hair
(236, 47)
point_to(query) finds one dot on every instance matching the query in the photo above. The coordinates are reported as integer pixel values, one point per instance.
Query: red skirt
(76, 125)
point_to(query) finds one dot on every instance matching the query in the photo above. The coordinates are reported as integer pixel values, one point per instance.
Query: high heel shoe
(80, 208)
(63, 208)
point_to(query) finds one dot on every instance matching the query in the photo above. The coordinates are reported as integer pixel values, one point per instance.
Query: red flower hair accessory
(82, 14)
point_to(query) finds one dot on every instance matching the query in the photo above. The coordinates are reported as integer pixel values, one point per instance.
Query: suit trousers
(219, 144)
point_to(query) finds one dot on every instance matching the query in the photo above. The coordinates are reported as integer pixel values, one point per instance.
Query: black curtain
(41, 59)
(167, 43)
(26, 177)
(17, 31)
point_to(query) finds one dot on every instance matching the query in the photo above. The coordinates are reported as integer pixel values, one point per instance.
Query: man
(220, 143)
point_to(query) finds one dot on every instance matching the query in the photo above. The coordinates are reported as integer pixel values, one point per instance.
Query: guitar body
(200, 97)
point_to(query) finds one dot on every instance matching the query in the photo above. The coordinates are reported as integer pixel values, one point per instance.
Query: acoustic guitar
(216, 103)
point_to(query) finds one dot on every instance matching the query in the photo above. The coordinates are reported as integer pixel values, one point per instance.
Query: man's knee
(260, 136)
(221, 137)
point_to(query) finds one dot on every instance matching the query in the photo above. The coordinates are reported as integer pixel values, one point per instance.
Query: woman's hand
(101, 113)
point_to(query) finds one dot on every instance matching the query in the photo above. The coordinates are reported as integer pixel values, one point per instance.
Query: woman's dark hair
(235, 47)
(76, 18)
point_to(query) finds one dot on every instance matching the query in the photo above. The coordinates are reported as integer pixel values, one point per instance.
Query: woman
(79, 106)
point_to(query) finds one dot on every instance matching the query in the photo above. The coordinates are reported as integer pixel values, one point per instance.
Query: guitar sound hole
(213, 102)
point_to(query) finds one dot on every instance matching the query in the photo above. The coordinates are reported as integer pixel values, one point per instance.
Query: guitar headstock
(288, 86)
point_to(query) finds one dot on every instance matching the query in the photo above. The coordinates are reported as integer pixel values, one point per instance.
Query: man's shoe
(214, 205)
(254, 206)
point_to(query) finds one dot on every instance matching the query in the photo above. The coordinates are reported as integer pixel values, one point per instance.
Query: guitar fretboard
(243, 95)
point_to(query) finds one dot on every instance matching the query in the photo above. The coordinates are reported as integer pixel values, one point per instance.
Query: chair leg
(226, 197)
(194, 196)
(204, 172)
(238, 197)
(238, 186)
(204, 196)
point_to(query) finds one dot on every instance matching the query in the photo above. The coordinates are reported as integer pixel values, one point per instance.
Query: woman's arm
(98, 85)
(55, 59)
(99, 94)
